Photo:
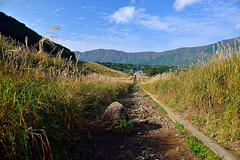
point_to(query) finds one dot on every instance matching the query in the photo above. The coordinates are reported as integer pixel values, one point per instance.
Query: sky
(130, 25)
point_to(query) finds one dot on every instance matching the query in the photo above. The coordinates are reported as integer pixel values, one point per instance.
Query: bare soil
(154, 135)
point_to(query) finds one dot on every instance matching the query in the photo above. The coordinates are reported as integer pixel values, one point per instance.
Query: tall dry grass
(210, 89)
(46, 103)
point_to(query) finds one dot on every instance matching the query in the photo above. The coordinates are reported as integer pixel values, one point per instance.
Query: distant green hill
(113, 56)
(17, 30)
(178, 56)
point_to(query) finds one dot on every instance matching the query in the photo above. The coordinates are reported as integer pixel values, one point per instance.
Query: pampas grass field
(210, 91)
(47, 102)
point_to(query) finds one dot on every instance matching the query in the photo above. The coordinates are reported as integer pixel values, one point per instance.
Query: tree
(134, 68)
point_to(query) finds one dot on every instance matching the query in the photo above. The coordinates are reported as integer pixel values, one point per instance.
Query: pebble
(130, 153)
(133, 142)
(145, 155)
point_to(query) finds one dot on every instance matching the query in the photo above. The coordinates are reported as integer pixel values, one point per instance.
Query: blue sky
(130, 25)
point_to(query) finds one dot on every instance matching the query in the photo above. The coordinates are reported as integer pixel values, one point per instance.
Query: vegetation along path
(153, 134)
(220, 151)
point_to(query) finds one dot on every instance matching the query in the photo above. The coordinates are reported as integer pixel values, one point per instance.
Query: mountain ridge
(9, 26)
(179, 56)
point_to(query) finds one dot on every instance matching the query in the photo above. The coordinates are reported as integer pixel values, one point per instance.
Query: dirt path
(153, 137)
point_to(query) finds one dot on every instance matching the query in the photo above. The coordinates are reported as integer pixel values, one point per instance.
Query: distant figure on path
(135, 78)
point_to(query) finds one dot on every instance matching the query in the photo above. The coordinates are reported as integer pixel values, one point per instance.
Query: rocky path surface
(154, 135)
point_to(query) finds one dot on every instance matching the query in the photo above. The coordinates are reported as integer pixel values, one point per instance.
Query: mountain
(178, 56)
(113, 56)
(17, 30)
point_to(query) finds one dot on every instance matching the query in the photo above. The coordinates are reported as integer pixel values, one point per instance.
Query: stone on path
(115, 111)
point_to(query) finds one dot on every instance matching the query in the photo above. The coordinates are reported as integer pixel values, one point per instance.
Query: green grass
(179, 127)
(198, 148)
(126, 125)
(161, 108)
(196, 145)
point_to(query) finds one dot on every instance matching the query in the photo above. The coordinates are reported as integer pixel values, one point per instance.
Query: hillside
(103, 55)
(178, 56)
(11, 27)
(101, 69)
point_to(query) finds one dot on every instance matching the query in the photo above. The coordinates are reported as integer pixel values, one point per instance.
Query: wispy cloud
(238, 26)
(133, 1)
(30, 7)
(206, 23)
(78, 18)
(40, 21)
(151, 22)
(89, 8)
(181, 4)
(64, 26)
(216, 14)
(77, 22)
(72, 33)
(57, 10)
(129, 14)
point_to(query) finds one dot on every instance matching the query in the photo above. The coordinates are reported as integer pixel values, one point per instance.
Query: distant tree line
(17, 30)
(149, 70)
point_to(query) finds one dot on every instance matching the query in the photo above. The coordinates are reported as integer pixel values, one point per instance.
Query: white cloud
(72, 33)
(57, 10)
(238, 26)
(77, 22)
(40, 20)
(89, 8)
(79, 18)
(215, 15)
(30, 7)
(133, 1)
(181, 4)
(124, 15)
(130, 14)
(152, 22)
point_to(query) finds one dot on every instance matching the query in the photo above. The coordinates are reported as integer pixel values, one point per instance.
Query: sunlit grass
(210, 89)
(46, 103)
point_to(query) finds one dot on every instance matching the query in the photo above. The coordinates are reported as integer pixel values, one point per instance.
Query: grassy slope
(211, 92)
(45, 105)
(97, 68)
